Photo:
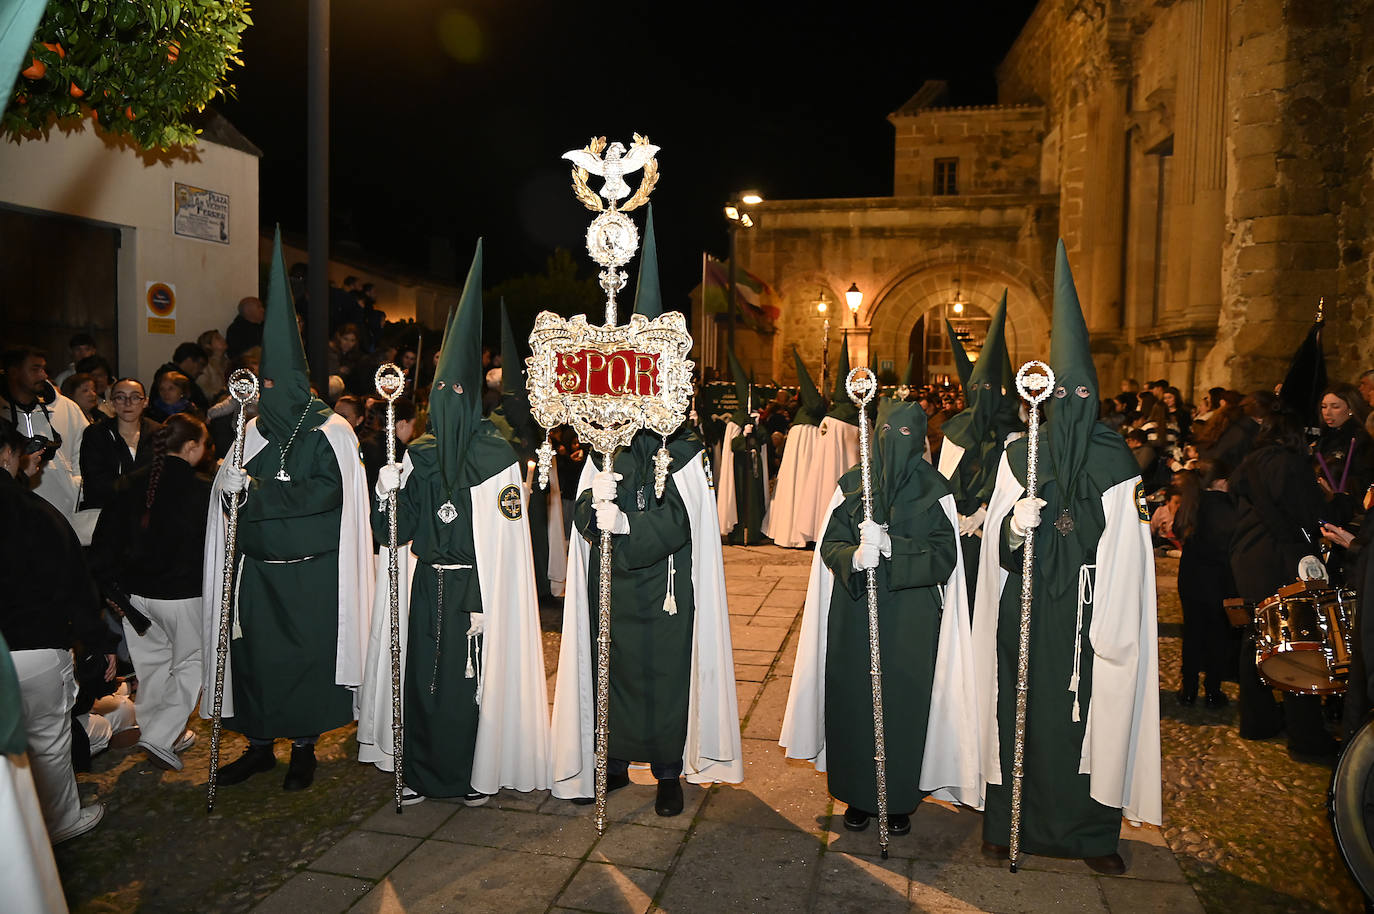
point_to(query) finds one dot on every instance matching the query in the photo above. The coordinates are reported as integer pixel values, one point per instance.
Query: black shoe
(856, 819)
(255, 760)
(899, 824)
(1217, 700)
(668, 802)
(583, 801)
(1107, 864)
(301, 772)
(1187, 697)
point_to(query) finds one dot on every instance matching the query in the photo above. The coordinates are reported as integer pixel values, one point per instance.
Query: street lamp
(736, 218)
(822, 309)
(854, 298)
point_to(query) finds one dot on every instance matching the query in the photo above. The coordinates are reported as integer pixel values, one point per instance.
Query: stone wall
(998, 149)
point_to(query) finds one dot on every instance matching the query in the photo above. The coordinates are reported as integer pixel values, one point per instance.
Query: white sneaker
(186, 741)
(90, 817)
(160, 757)
(475, 799)
(410, 797)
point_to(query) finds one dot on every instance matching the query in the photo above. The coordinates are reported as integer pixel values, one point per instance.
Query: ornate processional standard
(611, 380)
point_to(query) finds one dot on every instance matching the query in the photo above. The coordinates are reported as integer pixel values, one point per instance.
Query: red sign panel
(622, 373)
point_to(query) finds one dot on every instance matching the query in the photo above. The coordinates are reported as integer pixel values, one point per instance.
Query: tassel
(670, 601)
(237, 629)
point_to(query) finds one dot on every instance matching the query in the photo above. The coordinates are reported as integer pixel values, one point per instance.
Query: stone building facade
(1206, 162)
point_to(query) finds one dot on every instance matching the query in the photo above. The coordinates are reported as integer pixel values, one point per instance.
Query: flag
(1306, 378)
(753, 297)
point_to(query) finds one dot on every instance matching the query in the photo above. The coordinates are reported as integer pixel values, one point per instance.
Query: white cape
(712, 751)
(725, 482)
(1120, 750)
(792, 518)
(558, 539)
(950, 768)
(836, 451)
(355, 566)
(512, 747)
(28, 871)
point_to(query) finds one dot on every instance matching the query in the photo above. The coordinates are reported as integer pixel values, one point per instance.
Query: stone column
(1182, 191)
(1208, 222)
(1104, 201)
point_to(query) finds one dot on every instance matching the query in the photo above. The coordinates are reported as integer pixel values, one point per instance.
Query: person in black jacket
(1205, 523)
(110, 448)
(48, 607)
(1279, 509)
(149, 544)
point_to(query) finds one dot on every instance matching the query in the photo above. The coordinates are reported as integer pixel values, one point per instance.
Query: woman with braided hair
(149, 544)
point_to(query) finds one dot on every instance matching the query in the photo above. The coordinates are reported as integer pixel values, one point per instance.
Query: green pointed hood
(648, 298)
(909, 376)
(841, 407)
(811, 408)
(1073, 408)
(903, 483)
(963, 367)
(462, 446)
(283, 402)
(512, 416)
(983, 388)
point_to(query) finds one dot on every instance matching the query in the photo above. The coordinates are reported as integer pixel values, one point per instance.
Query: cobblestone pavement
(768, 844)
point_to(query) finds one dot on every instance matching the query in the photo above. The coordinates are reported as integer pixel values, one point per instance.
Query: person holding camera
(48, 608)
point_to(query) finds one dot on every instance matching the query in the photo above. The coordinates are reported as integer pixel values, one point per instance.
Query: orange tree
(139, 67)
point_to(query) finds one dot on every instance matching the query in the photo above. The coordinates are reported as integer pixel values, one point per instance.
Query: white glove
(866, 556)
(872, 533)
(609, 517)
(1025, 515)
(747, 429)
(388, 481)
(236, 479)
(603, 486)
(1310, 568)
(972, 524)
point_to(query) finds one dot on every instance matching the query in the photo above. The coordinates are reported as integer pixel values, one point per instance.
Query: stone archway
(923, 287)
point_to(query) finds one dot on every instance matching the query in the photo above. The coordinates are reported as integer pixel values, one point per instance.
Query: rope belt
(1085, 598)
(439, 569)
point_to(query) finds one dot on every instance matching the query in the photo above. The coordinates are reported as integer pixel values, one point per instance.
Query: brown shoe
(995, 851)
(1107, 865)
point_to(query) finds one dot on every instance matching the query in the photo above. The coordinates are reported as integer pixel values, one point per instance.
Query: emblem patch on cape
(509, 502)
(1140, 506)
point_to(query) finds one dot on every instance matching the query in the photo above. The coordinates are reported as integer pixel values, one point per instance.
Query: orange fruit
(129, 112)
(173, 51)
(55, 48)
(76, 91)
(36, 70)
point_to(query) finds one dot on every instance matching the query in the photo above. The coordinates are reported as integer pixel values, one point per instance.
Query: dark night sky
(745, 95)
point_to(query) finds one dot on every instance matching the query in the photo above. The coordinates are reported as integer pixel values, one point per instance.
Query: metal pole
(317, 136)
(861, 385)
(603, 665)
(243, 387)
(390, 382)
(730, 294)
(1034, 382)
(825, 359)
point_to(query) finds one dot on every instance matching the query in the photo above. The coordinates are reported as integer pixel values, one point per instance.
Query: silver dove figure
(613, 167)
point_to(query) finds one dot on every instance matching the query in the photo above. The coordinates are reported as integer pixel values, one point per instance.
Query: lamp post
(736, 218)
(853, 298)
(821, 309)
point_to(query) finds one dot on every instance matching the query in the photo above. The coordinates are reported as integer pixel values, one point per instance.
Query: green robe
(1059, 818)
(440, 701)
(651, 651)
(751, 475)
(909, 605)
(288, 595)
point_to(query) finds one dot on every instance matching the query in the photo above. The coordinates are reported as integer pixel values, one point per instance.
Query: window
(946, 177)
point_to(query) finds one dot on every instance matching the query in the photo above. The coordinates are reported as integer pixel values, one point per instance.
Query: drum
(1350, 803)
(1303, 638)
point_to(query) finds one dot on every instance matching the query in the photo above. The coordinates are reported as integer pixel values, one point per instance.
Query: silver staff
(603, 666)
(390, 381)
(861, 385)
(243, 387)
(1034, 382)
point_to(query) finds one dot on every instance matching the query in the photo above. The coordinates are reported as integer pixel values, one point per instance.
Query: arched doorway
(925, 294)
(930, 345)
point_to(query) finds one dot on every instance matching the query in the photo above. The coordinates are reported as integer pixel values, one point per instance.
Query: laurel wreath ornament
(592, 200)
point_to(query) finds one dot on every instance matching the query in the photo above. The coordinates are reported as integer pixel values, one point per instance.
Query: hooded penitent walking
(793, 510)
(743, 499)
(1092, 726)
(926, 647)
(975, 438)
(302, 587)
(672, 684)
(473, 694)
